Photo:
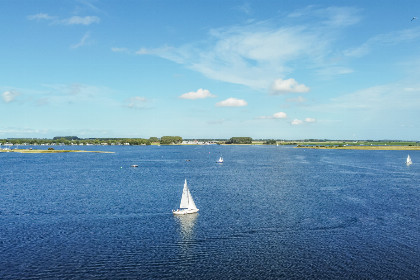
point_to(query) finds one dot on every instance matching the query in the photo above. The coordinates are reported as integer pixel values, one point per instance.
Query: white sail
(185, 196)
(191, 204)
(409, 160)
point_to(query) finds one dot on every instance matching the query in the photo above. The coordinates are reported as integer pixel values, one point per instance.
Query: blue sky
(210, 69)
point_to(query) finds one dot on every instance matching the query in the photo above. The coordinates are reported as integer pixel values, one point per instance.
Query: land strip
(36, 151)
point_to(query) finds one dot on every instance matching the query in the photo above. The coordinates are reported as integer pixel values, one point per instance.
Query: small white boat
(134, 165)
(220, 160)
(409, 162)
(187, 205)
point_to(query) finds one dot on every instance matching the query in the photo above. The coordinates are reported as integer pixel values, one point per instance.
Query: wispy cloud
(257, 54)
(9, 96)
(374, 105)
(331, 17)
(86, 20)
(58, 94)
(74, 20)
(41, 16)
(232, 102)
(120, 50)
(84, 41)
(137, 102)
(199, 94)
(392, 38)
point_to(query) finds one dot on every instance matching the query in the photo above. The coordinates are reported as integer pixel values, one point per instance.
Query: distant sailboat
(409, 162)
(187, 205)
(220, 160)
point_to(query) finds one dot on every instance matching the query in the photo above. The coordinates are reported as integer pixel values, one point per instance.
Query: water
(266, 213)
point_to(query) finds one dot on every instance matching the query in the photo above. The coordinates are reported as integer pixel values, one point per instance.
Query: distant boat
(409, 162)
(134, 165)
(220, 160)
(187, 205)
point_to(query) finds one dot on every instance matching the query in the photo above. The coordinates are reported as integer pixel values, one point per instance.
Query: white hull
(184, 211)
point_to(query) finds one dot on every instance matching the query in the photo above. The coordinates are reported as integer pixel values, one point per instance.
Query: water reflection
(186, 225)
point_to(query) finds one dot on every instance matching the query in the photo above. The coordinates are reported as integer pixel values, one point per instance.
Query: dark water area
(266, 213)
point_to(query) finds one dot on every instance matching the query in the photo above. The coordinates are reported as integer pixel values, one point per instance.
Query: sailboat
(409, 162)
(187, 205)
(220, 160)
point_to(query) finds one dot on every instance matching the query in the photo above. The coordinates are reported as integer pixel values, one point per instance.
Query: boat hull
(184, 211)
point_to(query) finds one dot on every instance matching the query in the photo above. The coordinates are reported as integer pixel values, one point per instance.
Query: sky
(266, 69)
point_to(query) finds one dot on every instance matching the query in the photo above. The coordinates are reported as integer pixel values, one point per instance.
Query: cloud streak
(74, 20)
(84, 41)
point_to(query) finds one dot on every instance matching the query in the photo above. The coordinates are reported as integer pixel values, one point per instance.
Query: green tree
(168, 140)
(270, 142)
(239, 140)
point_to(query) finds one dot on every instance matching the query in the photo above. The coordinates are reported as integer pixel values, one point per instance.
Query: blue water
(266, 213)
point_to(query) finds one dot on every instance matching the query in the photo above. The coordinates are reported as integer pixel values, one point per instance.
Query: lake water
(267, 212)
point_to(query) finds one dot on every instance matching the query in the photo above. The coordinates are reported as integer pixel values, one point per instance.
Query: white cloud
(82, 41)
(300, 122)
(232, 102)
(288, 86)
(279, 115)
(297, 122)
(9, 96)
(199, 94)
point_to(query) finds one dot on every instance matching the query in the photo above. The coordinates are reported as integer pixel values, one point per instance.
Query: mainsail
(186, 199)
